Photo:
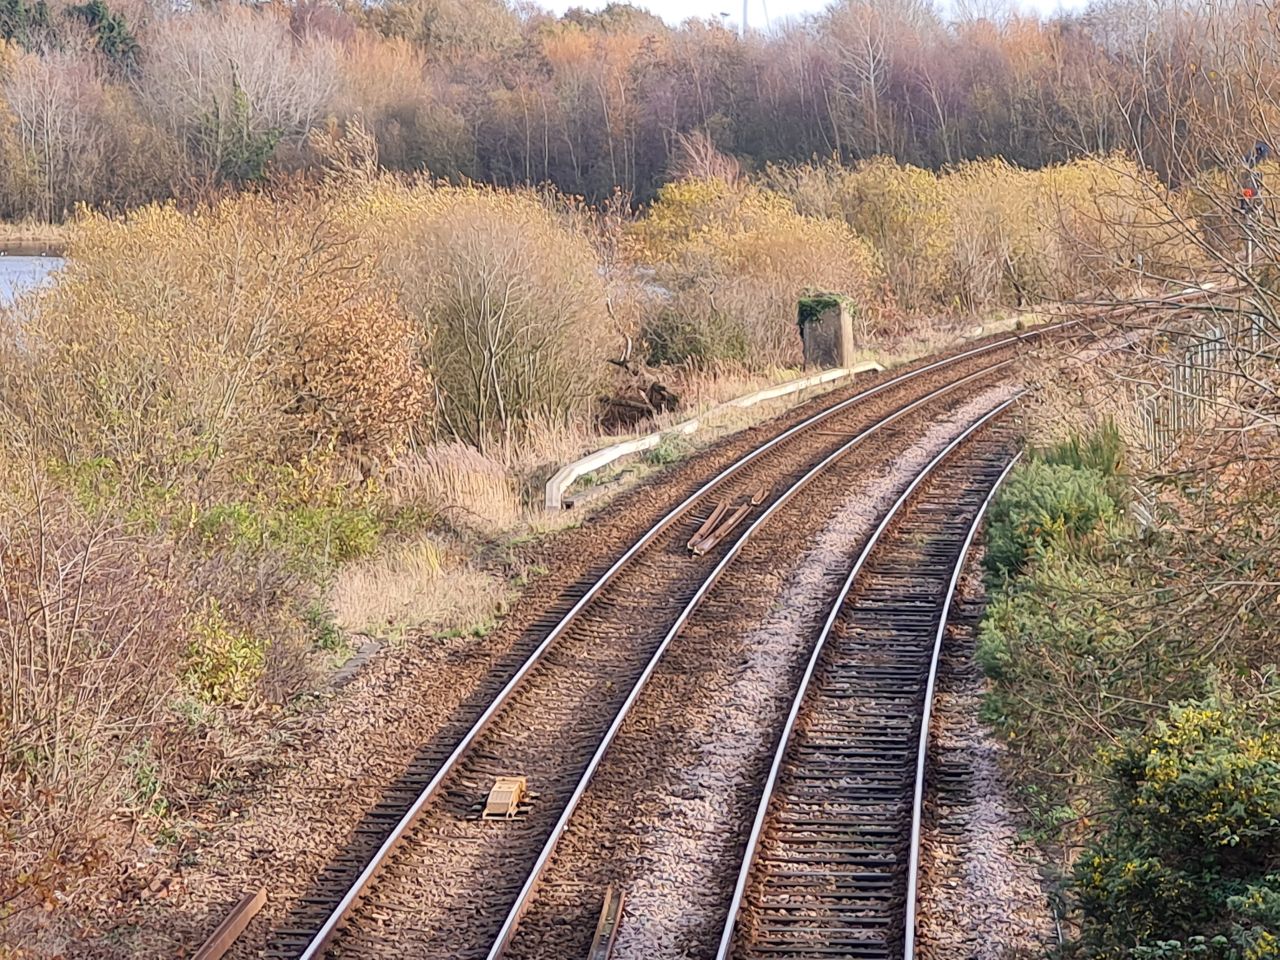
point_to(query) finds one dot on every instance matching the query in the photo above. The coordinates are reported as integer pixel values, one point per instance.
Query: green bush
(325, 632)
(223, 663)
(1041, 505)
(1071, 648)
(672, 448)
(1189, 864)
(314, 538)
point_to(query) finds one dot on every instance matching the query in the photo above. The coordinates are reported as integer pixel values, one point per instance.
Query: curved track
(831, 864)
(554, 718)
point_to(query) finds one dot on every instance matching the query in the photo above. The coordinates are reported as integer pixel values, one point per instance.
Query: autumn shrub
(511, 297)
(1188, 863)
(1106, 218)
(92, 632)
(187, 347)
(199, 410)
(984, 234)
(995, 243)
(736, 258)
(900, 210)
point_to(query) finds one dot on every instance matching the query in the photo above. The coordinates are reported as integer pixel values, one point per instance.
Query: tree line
(114, 103)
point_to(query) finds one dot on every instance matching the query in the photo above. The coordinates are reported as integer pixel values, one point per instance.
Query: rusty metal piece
(713, 539)
(607, 926)
(709, 523)
(504, 798)
(222, 939)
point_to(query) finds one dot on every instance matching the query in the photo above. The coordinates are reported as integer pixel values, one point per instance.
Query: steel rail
(336, 917)
(922, 752)
(766, 796)
(508, 930)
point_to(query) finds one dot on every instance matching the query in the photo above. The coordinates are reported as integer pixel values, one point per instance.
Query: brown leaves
(355, 373)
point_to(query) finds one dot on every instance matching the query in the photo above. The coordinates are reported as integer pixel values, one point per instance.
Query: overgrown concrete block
(826, 329)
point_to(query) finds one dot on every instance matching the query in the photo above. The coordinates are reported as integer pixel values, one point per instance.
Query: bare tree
(201, 62)
(56, 101)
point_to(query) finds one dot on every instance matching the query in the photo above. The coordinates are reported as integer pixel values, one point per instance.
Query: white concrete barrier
(566, 475)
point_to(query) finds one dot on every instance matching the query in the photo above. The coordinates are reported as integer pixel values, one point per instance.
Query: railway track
(833, 856)
(667, 816)
(704, 742)
(554, 718)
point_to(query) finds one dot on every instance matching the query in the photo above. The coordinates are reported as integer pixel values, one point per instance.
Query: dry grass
(33, 234)
(548, 444)
(413, 585)
(459, 484)
(701, 388)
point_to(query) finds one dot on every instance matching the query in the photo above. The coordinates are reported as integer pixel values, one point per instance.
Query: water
(22, 273)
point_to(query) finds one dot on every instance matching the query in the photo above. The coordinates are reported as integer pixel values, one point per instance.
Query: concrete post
(826, 330)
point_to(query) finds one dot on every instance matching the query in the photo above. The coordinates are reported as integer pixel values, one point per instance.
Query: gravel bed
(446, 893)
(283, 820)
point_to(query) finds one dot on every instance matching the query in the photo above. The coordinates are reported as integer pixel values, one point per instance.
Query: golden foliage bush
(985, 233)
(900, 210)
(1105, 218)
(182, 344)
(993, 238)
(736, 259)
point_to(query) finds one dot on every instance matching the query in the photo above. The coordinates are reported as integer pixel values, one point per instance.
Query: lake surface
(22, 273)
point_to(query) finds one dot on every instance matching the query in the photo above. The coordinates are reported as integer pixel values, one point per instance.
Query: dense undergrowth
(1132, 684)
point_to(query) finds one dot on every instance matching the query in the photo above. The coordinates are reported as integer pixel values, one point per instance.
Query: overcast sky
(676, 10)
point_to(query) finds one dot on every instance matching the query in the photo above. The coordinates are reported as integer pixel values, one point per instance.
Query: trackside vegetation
(1144, 734)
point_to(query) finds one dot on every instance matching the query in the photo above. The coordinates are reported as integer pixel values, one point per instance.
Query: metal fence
(1198, 367)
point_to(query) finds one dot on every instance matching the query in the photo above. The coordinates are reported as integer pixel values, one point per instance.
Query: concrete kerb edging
(566, 475)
